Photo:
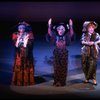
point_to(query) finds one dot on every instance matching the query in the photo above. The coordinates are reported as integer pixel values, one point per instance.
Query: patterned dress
(60, 55)
(90, 55)
(23, 69)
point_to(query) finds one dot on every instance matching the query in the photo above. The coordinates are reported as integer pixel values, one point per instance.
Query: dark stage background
(37, 15)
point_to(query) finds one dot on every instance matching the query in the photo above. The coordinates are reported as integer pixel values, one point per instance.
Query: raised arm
(71, 31)
(70, 36)
(51, 35)
(49, 27)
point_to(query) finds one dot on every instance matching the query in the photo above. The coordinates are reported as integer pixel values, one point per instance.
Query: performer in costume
(61, 35)
(23, 69)
(90, 50)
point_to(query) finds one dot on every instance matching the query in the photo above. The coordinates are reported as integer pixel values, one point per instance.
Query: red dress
(23, 69)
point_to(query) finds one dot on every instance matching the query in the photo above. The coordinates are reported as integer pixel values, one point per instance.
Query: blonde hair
(87, 24)
(91, 24)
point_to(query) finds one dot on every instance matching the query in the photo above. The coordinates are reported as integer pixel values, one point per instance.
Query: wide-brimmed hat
(87, 23)
(66, 26)
(23, 23)
(27, 26)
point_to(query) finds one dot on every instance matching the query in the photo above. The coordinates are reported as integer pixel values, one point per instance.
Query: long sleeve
(71, 30)
(83, 39)
(70, 36)
(14, 38)
(51, 35)
(97, 38)
(30, 40)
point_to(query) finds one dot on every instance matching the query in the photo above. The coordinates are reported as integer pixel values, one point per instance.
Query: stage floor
(75, 88)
